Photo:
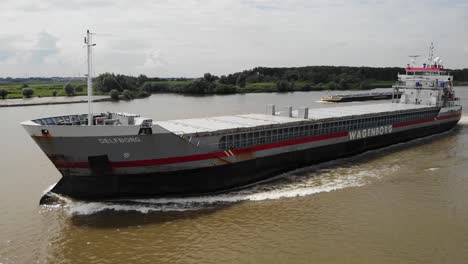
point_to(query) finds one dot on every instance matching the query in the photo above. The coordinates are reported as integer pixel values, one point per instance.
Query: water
(403, 204)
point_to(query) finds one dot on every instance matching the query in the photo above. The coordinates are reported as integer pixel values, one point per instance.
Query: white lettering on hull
(370, 132)
(119, 140)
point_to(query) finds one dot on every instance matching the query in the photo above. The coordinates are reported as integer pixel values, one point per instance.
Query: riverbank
(57, 100)
(43, 93)
(50, 101)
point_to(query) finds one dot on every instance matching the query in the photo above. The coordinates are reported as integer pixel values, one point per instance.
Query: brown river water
(407, 203)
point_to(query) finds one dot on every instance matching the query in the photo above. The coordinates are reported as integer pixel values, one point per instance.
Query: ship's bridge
(426, 71)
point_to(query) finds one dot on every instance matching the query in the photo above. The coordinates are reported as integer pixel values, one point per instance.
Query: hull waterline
(227, 177)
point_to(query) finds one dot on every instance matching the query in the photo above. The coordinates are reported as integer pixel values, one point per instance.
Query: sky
(186, 38)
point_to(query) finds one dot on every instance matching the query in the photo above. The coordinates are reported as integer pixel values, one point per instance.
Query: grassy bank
(41, 89)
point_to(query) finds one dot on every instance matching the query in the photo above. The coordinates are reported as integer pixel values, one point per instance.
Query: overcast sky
(190, 37)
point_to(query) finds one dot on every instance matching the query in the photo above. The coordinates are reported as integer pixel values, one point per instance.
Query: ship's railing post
(271, 109)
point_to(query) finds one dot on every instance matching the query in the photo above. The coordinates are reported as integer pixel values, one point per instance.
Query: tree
(319, 86)
(142, 79)
(222, 88)
(209, 78)
(69, 89)
(106, 82)
(199, 86)
(127, 95)
(24, 85)
(3, 93)
(27, 92)
(240, 81)
(155, 87)
(331, 86)
(79, 89)
(283, 86)
(343, 85)
(114, 94)
(223, 79)
(54, 93)
(291, 75)
(254, 77)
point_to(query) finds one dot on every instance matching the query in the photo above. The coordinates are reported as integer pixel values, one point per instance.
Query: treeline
(125, 87)
(460, 76)
(121, 86)
(342, 77)
(259, 79)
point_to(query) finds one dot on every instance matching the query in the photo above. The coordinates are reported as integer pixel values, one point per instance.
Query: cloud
(45, 47)
(6, 52)
(188, 38)
(154, 59)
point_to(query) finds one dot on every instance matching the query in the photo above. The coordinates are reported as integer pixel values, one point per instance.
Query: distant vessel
(109, 155)
(341, 98)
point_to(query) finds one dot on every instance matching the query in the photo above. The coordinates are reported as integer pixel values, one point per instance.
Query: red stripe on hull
(216, 155)
(448, 117)
(425, 120)
(410, 123)
(223, 154)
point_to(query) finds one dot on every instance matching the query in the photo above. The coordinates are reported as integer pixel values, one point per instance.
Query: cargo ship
(115, 155)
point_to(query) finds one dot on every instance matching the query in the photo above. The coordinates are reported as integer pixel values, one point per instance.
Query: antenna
(89, 43)
(413, 59)
(431, 53)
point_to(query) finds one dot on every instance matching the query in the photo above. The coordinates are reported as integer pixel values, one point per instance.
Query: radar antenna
(413, 59)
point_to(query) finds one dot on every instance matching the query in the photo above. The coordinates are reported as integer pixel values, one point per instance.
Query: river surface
(403, 204)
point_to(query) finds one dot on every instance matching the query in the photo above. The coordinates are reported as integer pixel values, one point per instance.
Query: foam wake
(463, 120)
(303, 182)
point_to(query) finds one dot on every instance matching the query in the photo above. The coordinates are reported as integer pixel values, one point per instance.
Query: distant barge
(339, 98)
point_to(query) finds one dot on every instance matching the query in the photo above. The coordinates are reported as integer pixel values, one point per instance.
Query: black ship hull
(226, 177)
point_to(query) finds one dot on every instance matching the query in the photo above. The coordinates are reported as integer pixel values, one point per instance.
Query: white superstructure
(428, 84)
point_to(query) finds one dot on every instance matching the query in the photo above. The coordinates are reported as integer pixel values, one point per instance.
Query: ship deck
(220, 123)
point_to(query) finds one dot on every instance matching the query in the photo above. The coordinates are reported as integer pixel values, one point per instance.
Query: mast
(89, 43)
(431, 54)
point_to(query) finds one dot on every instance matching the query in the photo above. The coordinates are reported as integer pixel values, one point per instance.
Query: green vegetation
(27, 92)
(260, 79)
(127, 95)
(3, 93)
(114, 94)
(42, 89)
(69, 90)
